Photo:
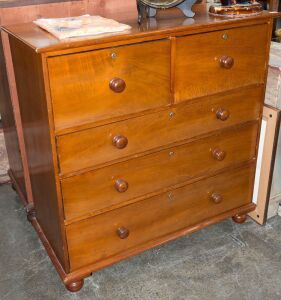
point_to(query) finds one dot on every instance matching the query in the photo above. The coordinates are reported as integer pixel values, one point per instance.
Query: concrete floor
(224, 261)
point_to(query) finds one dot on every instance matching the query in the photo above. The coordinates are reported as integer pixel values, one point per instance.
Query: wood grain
(200, 73)
(19, 150)
(156, 217)
(89, 148)
(154, 29)
(9, 127)
(86, 95)
(35, 122)
(138, 174)
(95, 191)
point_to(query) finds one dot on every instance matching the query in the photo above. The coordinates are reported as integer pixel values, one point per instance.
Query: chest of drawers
(135, 139)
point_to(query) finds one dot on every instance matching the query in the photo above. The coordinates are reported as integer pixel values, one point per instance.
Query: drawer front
(204, 61)
(92, 147)
(103, 236)
(102, 84)
(111, 186)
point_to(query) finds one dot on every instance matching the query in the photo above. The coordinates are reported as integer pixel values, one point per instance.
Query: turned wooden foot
(75, 286)
(13, 187)
(30, 212)
(239, 218)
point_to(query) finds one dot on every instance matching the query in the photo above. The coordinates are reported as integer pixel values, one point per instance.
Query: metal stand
(145, 11)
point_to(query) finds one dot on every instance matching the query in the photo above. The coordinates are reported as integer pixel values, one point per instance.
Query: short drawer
(92, 86)
(92, 147)
(218, 61)
(146, 221)
(111, 186)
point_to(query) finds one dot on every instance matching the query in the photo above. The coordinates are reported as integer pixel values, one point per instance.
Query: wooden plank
(141, 177)
(265, 163)
(39, 146)
(12, 125)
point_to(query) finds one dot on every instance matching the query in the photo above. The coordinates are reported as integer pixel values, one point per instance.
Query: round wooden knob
(226, 62)
(117, 85)
(120, 141)
(121, 185)
(123, 232)
(219, 154)
(222, 114)
(216, 198)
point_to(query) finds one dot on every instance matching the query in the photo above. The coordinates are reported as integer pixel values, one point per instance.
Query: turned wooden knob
(226, 62)
(121, 185)
(219, 154)
(123, 232)
(222, 114)
(216, 198)
(120, 141)
(117, 85)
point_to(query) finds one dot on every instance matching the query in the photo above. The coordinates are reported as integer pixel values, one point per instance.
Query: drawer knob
(120, 141)
(121, 185)
(226, 62)
(123, 232)
(219, 154)
(222, 114)
(117, 85)
(216, 198)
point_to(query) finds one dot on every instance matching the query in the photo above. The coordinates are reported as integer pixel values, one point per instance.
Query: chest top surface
(42, 42)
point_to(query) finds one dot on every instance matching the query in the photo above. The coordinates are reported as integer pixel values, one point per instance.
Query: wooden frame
(265, 162)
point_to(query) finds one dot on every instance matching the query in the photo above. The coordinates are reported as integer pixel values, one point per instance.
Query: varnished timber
(12, 12)
(228, 58)
(151, 30)
(177, 165)
(239, 218)
(9, 127)
(141, 171)
(19, 151)
(79, 274)
(35, 124)
(88, 148)
(86, 80)
(156, 216)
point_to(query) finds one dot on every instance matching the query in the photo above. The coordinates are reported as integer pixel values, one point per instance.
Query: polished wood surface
(35, 122)
(82, 273)
(141, 171)
(99, 85)
(86, 149)
(75, 286)
(222, 65)
(239, 219)
(121, 183)
(153, 29)
(156, 216)
(10, 127)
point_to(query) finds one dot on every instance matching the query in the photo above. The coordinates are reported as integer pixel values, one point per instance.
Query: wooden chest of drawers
(138, 138)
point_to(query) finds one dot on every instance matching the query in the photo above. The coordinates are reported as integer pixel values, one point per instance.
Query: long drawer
(218, 61)
(94, 191)
(92, 147)
(102, 84)
(122, 229)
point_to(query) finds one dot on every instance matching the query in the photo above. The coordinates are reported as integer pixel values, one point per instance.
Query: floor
(224, 261)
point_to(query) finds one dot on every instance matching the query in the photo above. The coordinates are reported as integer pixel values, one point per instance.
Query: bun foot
(13, 187)
(239, 218)
(30, 212)
(75, 286)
